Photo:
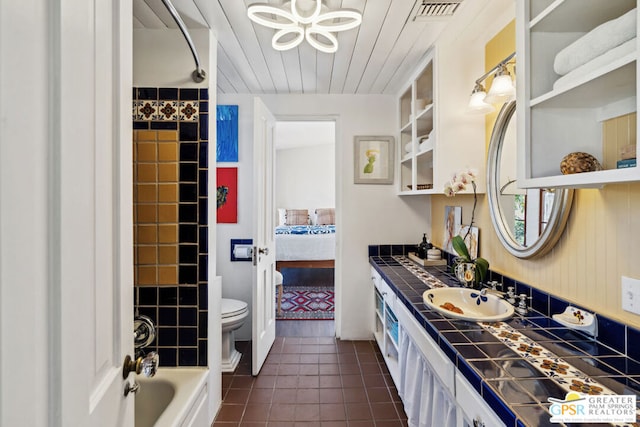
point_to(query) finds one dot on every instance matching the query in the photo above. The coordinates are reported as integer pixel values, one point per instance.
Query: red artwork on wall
(227, 195)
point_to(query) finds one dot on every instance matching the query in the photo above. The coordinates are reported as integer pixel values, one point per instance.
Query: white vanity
(427, 380)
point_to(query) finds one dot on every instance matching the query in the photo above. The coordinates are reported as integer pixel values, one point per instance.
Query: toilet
(234, 313)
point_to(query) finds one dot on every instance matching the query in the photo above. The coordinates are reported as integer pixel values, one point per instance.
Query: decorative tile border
(550, 365)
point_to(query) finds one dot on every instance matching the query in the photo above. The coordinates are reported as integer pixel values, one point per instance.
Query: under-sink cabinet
(403, 341)
(575, 95)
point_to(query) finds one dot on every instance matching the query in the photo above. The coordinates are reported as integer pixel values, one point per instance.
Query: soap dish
(577, 319)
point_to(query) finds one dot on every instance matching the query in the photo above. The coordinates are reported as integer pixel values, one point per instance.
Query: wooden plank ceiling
(376, 58)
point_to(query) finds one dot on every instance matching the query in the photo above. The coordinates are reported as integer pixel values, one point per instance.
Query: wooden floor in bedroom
(305, 328)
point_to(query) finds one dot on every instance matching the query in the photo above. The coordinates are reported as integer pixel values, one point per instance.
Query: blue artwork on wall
(227, 133)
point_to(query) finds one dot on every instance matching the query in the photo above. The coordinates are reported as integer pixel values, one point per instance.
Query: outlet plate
(631, 295)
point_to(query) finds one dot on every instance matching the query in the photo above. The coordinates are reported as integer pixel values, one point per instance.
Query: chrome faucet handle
(522, 305)
(148, 366)
(511, 295)
(144, 332)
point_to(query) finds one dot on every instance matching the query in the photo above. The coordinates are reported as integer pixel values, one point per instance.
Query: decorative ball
(579, 162)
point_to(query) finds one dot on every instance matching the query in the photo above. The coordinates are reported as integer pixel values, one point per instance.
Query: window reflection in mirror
(527, 221)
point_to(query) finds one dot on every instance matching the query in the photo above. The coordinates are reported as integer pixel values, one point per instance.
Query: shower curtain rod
(199, 74)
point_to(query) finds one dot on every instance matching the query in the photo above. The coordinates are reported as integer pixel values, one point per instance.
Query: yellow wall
(601, 242)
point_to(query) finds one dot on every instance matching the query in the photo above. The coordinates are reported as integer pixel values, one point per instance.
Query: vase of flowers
(469, 271)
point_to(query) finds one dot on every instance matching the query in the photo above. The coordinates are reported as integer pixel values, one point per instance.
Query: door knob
(148, 365)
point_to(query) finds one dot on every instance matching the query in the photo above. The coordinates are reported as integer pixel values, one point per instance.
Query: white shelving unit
(416, 123)
(386, 329)
(553, 122)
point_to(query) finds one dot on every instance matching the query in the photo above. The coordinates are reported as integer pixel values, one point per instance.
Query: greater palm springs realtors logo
(577, 407)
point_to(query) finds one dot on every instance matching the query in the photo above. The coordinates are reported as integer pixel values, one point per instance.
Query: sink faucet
(492, 288)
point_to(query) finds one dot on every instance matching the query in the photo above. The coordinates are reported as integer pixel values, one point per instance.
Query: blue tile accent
(204, 108)
(147, 295)
(203, 209)
(167, 295)
(168, 316)
(167, 337)
(203, 268)
(633, 338)
(611, 333)
(188, 316)
(164, 125)
(187, 337)
(167, 94)
(397, 249)
(189, 94)
(374, 250)
(203, 324)
(202, 184)
(188, 295)
(188, 132)
(188, 356)
(202, 353)
(470, 374)
(540, 301)
(168, 356)
(204, 154)
(148, 93)
(204, 93)
(385, 250)
(204, 126)
(140, 125)
(503, 411)
(188, 274)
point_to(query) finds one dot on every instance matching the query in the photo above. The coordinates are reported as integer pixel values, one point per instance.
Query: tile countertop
(508, 381)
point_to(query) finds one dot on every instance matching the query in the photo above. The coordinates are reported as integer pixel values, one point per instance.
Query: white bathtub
(173, 397)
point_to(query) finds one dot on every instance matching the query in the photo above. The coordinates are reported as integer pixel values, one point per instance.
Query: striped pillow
(296, 217)
(326, 216)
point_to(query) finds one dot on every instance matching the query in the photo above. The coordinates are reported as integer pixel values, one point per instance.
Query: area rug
(307, 303)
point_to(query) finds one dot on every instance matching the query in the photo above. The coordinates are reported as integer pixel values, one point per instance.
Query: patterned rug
(307, 303)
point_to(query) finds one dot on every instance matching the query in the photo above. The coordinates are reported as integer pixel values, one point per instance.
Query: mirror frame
(559, 211)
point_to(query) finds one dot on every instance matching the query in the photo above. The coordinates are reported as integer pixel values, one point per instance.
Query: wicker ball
(579, 162)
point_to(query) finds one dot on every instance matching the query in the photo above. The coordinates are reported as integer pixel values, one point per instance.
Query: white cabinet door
(473, 411)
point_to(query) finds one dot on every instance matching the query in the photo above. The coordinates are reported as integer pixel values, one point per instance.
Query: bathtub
(173, 397)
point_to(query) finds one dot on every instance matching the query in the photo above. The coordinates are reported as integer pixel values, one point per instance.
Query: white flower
(459, 182)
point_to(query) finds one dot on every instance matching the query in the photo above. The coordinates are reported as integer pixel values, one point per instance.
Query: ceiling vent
(431, 9)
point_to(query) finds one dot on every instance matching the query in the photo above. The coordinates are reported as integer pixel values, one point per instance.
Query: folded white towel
(596, 42)
(573, 77)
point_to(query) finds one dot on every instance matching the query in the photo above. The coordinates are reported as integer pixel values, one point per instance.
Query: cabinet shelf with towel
(577, 90)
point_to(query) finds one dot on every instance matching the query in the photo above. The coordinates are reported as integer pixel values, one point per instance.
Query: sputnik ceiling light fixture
(313, 23)
(501, 90)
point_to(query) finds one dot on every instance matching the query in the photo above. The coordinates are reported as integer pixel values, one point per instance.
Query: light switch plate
(631, 295)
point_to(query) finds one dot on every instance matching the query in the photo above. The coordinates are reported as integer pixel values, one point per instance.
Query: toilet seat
(233, 307)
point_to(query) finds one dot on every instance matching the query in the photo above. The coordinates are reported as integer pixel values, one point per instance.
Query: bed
(305, 246)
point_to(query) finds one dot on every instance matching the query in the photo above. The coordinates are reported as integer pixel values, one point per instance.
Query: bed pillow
(326, 216)
(282, 216)
(297, 217)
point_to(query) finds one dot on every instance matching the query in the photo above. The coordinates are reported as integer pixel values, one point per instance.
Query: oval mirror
(528, 222)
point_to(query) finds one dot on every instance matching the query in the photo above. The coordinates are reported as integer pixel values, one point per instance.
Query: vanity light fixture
(477, 104)
(316, 24)
(501, 90)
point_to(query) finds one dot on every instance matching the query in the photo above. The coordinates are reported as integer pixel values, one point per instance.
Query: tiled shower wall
(170, 142)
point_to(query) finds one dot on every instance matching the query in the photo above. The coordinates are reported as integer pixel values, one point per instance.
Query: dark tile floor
(313, 381)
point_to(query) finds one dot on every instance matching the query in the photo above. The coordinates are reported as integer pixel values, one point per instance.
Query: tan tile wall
(155, 207)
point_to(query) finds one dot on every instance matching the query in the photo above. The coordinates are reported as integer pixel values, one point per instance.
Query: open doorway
(306, 234)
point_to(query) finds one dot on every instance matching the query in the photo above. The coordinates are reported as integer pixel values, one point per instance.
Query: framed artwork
(471, 240)
(226, 133)
(373, 159)
(452, 223)
(227, 195)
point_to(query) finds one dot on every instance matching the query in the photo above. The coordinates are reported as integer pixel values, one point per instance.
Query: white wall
(365, 214)
(305, 177)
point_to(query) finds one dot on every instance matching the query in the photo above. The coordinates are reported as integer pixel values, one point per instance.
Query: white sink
(468, 304)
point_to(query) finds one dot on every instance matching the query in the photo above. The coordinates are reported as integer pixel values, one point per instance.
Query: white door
(264, 312)
(96, 216)
(66, 303)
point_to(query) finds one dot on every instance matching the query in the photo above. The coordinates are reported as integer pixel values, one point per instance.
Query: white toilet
(234, 313)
